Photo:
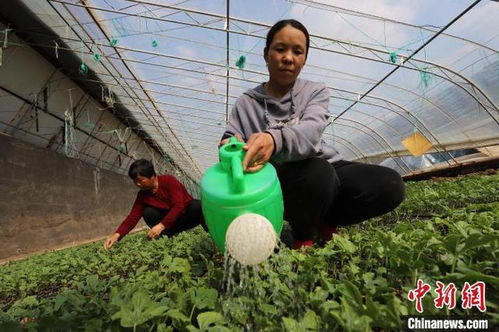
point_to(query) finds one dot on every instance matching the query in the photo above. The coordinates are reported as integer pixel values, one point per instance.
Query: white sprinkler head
(250, 239)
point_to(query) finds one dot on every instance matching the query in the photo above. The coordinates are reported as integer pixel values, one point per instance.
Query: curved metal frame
(444, 70)
(346, 143)
(262, 73)
(421, 124)
(371, 49)
(377, 134)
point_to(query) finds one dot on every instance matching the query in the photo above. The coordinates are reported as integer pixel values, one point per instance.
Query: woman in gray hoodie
(282, 122)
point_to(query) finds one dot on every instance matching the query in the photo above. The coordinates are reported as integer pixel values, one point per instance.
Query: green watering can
(227, 192)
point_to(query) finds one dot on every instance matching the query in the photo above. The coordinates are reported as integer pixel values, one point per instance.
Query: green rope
(359, 30)
(88, 124)
(118, 26)
(425, 76)
(69, 144)
(393, 54)
(122, 147)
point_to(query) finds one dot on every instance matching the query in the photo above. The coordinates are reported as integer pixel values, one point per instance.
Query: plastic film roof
(393, 68)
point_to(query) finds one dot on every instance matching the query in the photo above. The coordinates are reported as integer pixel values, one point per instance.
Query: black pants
(192, 217)
(340, 194)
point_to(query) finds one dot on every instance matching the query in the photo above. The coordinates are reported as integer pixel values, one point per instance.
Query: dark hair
(280, 25)
(141, 167)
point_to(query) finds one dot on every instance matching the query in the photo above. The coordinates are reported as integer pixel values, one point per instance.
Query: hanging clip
(56, 50)
(213, 90)
(83, 69)
(393, 57)
(109, 98)
(241, 62)
(6, 37)
(35, 101)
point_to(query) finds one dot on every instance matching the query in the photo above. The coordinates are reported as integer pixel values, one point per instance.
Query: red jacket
(171, 195)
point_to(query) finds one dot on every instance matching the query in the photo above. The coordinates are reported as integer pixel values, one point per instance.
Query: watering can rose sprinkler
(243, 211)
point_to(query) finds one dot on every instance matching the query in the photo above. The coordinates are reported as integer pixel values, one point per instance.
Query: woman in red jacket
(163, 202)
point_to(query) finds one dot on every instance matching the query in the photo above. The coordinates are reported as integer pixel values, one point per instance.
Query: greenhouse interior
(93, 90)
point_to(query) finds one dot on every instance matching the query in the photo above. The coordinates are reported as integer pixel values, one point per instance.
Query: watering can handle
(237, 174)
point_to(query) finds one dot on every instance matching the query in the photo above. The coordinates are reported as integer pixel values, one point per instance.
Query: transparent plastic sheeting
(179, 66)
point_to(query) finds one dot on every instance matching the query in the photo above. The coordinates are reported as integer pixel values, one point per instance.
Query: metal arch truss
(213, 21)
(389, 104)
(350, 147)
(416, 123)
(329, 44)
(426, 99)
(377, 137)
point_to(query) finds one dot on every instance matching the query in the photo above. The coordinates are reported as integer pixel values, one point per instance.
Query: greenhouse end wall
(49, 201)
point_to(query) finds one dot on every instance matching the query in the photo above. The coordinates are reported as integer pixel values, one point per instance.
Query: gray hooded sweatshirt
(296, 122)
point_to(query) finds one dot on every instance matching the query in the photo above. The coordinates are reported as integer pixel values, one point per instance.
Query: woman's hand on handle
(260, 147)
